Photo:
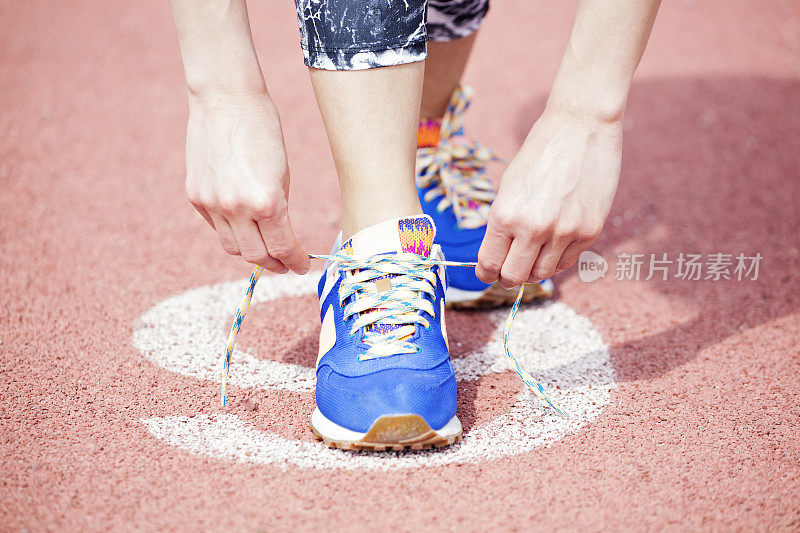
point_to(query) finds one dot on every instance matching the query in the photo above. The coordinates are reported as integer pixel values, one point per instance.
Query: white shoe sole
(389, 432)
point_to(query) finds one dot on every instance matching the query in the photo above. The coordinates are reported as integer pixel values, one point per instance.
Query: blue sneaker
(384, 376)
(456, 193)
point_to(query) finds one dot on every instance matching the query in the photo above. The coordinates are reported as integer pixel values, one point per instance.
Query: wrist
(219, 59)
(217, 79)
(227, 94)
(587, 87)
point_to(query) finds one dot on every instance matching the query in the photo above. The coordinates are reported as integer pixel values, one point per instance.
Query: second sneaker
(455, 191)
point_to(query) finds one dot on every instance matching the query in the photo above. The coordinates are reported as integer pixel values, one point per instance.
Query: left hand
(554, 198)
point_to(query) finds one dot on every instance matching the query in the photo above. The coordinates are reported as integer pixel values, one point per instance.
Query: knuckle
(200, 198)
(505, 220)
(566, 233)
(590, 230)
(254, 256)
(229, 205)
(194, 198)
(484, 278)
(542, 273)
(514, 278)
(207, 200)
(265, 210)
(280, 252)
(543, 229)
(489, 263)
(587, 235)
(230, 248)
(276, 268)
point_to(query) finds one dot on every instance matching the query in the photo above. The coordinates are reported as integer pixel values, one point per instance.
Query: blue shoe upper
(354, 393)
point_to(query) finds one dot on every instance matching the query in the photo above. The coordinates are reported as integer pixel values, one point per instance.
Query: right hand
(237, 178)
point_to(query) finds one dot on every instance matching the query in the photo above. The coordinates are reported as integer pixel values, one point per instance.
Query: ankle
(353, 222)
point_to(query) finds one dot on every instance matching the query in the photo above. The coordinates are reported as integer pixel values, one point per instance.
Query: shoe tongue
(400, 235)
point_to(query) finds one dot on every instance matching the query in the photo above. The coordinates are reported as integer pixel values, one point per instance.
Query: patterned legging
(363, 34)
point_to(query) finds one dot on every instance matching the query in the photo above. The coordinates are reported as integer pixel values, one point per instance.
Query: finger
(571, 255)
(491, 255)
(282, 244)
(518, 264)
(549, 256)
(252, 246)
(202, 210)
(226, 236)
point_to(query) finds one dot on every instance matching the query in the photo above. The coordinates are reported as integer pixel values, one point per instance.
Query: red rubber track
(701, 432)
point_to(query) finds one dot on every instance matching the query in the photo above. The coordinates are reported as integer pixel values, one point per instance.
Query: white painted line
(185, 333)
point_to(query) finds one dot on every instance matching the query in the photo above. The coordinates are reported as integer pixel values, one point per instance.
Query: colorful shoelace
(387, 316)
(401, 264)
(458, 169)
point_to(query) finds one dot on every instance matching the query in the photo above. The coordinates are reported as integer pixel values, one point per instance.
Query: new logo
(591, 266)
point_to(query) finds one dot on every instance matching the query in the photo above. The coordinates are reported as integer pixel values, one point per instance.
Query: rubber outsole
(393, 433)
(497, 296)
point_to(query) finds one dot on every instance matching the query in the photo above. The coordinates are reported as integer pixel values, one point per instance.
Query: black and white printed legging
(363, 34)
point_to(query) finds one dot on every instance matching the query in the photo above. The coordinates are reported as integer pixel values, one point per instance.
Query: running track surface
(701, 429)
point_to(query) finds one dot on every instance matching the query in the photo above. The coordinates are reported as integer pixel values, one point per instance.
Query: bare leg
(371, 118)
(443, 70)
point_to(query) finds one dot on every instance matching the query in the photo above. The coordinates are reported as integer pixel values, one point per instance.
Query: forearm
(217, 47)
(607, 41)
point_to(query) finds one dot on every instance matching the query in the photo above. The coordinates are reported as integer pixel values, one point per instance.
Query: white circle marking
(186, 334)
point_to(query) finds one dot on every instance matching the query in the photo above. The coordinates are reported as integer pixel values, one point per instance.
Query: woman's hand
(553, 199)
(556, 193)
(237, 178)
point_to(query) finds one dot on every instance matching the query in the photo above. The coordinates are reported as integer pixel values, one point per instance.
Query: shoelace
(403, 264)
(457, 169)
(409, 277)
